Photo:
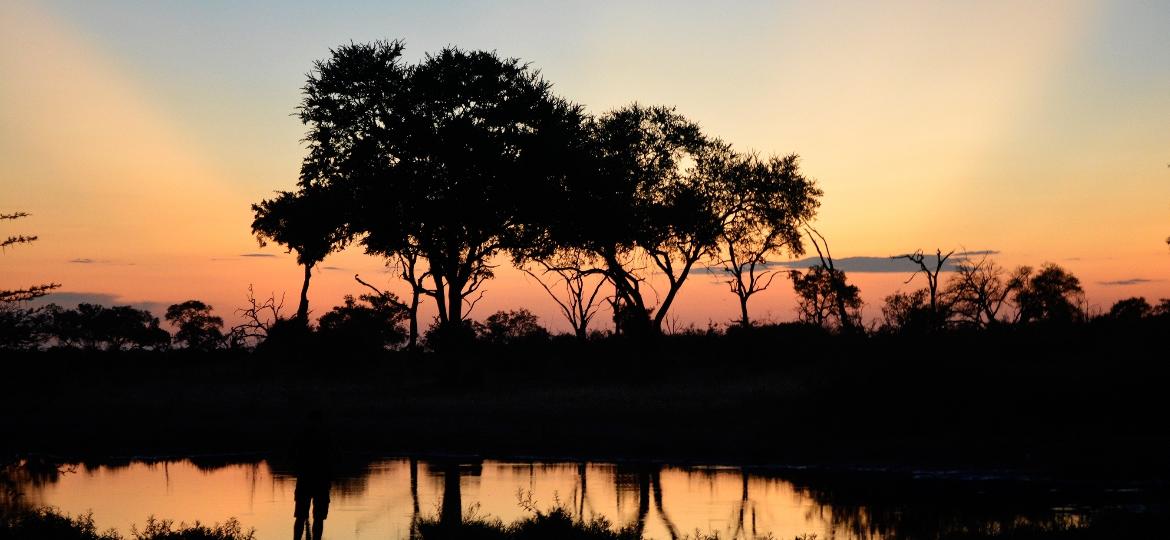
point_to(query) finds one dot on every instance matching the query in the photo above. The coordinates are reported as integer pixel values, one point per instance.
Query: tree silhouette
(197, 328)
(311, 222)
(938, 310)
(93, 326)
(646, 201)
(1052, 294)
(572, 270)
(8, 296)
(762, 203)
(824, 295)
(908, 312)
(449, 159)
(980, 289)
(506, 327)
(371, 322)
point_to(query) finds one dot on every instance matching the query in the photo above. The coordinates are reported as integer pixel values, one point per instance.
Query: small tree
(1051, 295)
(310, 222)
(980, 289)
(579, 296)
(763, 203)
(938, 313)
(371, 322)
(1130, 309)
(505, 327)
(823, 293)
(824, 298)
(907, 312)
(197, 328)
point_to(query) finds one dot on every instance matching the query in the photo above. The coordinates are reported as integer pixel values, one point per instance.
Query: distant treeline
(978, 296)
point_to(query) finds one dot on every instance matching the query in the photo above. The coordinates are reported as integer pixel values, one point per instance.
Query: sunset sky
(138, 134)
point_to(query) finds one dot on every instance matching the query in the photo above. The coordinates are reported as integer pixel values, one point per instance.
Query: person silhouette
(312, 490)
(314, 480)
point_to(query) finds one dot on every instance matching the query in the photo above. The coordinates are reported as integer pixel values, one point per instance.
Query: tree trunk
(451, 514)
(303, 307)
(743, 311)
(412, 342)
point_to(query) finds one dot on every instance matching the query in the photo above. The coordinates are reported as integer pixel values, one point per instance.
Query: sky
(138, 134)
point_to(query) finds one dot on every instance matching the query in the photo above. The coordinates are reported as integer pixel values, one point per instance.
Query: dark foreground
(1082, 404)
(1086, 403)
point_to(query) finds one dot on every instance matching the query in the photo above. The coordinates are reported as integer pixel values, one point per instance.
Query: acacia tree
(449, 160)
(310, 222)
(762, 203)
(646, 202)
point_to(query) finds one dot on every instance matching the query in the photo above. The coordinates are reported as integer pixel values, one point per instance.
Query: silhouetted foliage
(8, 296)
(21, 328)
(92, 326)
(371, 322)
(1050, 295)
(908, 312)
(51, 524)
(649, 202)
(820, 295)
(197, 328)
(449, 159)
(979, 290)
(1130, 309)
(506, 327)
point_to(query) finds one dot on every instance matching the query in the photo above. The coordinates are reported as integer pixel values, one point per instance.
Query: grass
(50, 524)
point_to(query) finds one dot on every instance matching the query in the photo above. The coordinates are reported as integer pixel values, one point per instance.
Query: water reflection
(387, 498)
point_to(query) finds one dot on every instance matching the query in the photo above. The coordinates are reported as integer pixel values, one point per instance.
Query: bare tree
(937, 317)
(258, 318)
(410, 267)
(979, 290)
(579, 285)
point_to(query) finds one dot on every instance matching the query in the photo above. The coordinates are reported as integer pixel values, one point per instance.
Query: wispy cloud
(1129, 281)
(875, 265)
(71, 299)
(81, 260)
(261, 255)
(977, 253)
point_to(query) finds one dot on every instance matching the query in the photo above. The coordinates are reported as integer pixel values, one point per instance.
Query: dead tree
(258, 319)
(936, 317)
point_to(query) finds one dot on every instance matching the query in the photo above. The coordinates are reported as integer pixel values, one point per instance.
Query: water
(377, 500)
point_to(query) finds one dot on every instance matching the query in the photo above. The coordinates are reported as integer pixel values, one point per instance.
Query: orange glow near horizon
(991, 126)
